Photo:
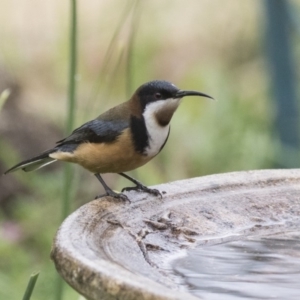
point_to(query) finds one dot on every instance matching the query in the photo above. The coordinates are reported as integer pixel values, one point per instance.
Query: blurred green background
(222, 48)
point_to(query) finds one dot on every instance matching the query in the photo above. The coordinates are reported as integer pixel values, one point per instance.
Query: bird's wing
(96, 131)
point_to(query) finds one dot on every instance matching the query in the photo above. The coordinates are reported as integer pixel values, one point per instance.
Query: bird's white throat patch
(157, 133)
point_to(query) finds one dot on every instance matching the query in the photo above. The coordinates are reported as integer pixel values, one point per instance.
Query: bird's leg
(109, 191)
(139, 186)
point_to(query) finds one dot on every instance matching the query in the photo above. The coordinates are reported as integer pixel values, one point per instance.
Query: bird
(121, 139)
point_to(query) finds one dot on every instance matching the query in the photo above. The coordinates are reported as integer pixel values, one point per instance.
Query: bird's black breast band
(139, 133)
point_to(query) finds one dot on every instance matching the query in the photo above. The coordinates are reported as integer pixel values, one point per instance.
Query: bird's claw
(143, 188)
(114, 195)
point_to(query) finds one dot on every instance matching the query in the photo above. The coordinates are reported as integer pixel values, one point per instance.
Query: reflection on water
(265, 267)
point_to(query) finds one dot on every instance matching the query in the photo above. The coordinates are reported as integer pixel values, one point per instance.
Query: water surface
(265, 267)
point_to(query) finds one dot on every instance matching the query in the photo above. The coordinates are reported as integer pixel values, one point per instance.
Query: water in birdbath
(260, 267)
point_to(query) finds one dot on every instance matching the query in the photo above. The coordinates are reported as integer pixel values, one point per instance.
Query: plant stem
(73, 67)
(71, 106)
(67, 187)
(30, 285)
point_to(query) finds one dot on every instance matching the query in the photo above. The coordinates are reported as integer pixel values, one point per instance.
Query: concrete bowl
(109, 249)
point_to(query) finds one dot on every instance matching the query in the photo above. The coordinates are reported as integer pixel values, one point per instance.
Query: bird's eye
(158, 95)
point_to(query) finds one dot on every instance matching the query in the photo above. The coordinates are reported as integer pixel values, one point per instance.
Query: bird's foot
(115, 195)
(143, 188)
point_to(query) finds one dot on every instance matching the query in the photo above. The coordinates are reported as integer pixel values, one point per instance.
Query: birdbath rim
(112, 250)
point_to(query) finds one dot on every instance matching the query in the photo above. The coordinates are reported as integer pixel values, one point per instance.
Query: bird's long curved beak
(181, 94)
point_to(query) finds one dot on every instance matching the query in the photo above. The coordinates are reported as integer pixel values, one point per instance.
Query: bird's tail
(34, 163)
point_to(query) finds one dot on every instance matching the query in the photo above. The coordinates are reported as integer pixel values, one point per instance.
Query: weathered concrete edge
(103, 280)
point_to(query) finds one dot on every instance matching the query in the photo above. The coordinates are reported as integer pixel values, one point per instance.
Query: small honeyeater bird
(121, 139)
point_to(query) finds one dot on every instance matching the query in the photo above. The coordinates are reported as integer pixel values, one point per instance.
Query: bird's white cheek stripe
(157, 133)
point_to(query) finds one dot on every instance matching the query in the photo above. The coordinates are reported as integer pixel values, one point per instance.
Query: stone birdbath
(109, 249)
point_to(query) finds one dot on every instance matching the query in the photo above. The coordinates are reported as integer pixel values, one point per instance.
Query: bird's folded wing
(96, 131)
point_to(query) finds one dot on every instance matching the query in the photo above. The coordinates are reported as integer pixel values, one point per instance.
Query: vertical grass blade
(67, 188)
(30, 286)
(72, 67)
(71, 104)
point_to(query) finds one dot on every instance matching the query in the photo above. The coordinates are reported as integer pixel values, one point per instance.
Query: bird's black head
(157, 90)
